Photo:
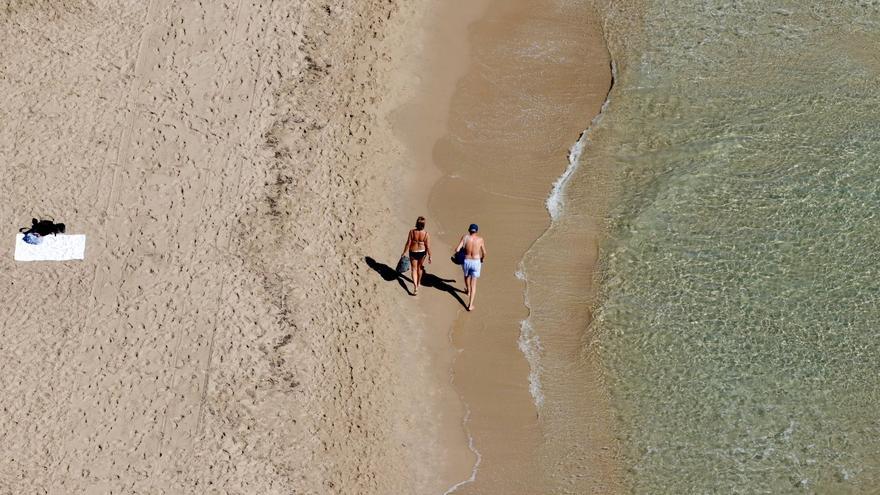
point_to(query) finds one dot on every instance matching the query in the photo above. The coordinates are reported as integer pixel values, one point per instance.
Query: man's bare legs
(470, 285)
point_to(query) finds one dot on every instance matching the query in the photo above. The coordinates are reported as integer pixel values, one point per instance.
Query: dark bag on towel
(403, 264)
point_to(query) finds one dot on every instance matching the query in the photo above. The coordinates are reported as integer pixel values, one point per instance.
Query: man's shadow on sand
(428, 280)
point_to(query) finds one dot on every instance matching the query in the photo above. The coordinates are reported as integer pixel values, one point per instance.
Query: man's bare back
(474, 247)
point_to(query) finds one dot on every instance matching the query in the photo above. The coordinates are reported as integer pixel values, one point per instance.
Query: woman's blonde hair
(420, 223)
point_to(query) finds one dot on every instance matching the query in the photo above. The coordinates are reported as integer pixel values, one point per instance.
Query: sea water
(739, 303)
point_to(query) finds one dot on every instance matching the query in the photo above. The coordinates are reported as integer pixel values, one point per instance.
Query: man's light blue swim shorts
(471, 268)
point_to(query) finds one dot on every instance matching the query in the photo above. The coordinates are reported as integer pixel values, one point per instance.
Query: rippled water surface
(739, 319)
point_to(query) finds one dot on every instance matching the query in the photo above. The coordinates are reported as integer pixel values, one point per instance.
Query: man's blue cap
(473, 228)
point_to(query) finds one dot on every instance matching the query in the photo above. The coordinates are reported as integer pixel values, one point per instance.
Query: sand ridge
(224, 334)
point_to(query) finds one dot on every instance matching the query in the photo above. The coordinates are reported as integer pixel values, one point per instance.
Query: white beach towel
(59, 247)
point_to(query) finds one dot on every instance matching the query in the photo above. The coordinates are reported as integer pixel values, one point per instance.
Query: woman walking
(418, 245)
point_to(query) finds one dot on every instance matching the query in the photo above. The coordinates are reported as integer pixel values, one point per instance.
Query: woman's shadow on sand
(428, 280)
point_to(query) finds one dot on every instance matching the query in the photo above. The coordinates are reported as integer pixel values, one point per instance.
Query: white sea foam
(529, 341)
(556, 200)
(530, 345)
(473, 477)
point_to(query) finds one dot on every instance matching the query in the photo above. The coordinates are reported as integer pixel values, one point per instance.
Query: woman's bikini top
(416, 242)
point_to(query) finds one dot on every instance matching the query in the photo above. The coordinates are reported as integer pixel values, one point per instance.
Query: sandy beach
(224, 333)
(245, 175)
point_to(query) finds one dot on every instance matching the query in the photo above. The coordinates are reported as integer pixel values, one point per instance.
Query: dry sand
(230, 164)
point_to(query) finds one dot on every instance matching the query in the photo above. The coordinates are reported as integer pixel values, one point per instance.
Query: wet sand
(539, 72)
(438, 59)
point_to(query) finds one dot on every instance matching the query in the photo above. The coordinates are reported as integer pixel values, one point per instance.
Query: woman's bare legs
(416, 266)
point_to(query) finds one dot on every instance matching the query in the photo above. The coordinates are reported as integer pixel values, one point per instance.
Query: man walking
(474, 254)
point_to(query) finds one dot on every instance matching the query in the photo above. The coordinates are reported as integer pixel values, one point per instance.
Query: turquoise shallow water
(739, 318)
